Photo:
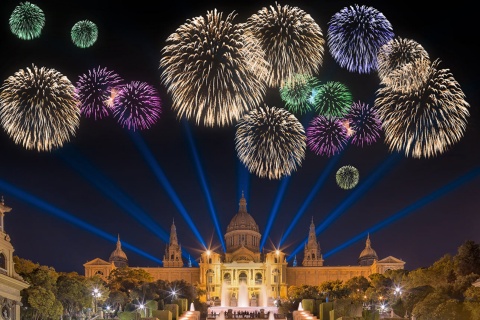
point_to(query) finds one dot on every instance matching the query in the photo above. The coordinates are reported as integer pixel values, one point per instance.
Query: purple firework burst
(137, 105)
(326, 136)
(355, 35)
(365, 124)
(95, 91)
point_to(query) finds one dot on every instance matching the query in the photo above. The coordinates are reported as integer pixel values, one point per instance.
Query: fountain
(263, 296)
(243, 300)
(242, 303)
(225, 301)
(300, 308)
(192, 307)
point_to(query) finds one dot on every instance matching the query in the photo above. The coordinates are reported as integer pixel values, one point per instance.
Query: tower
(368, 255)
(173, 251)
(312, 256)
(10, 282)
(118, 257)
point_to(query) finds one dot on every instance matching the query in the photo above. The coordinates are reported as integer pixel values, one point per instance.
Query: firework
(347, 177)
(425, 112)
(396, 53)
(297, 92)
(333, 99)
(354, 36)
(326, 136)
(84, 33)
(96, 91)
(293, 42)
(137, 106)
(270, 142)
(214, 70)
(365, 124)
(39, 108)
(27, 21)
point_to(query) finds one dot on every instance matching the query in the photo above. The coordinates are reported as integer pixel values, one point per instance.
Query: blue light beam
(411, 208)
(203, 181)
(68, 217)
(359, 191)
(88, 171)
(147, 155)
(243, 178)
(311, 195)
(274, 211)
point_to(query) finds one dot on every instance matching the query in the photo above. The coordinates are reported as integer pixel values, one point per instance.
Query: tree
(73, 293)
(467, 259)
(125, 279)
(334, 289)
(43, 304)
(357, 286)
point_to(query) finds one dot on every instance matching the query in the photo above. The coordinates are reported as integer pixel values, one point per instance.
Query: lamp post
(96, 294)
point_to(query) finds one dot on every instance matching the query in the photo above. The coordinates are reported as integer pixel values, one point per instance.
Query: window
(242, 277)
(258, 278)
(227, 278)
(3, 262)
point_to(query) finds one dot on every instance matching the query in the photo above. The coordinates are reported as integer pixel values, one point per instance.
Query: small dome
(118, 257)
(368, 255)
(242, 220)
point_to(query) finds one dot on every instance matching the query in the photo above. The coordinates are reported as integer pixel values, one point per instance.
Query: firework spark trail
(293, 42)
(395, 54)
(214, 70)
(347, 177)
(39, 108)
(95, 90)
(270, 142)
(137, 106)
(354, 36)
(326, 136)
(423, 111)
(84, 33)
(365, 124)
(297, 91)
(333, 99)
(27, 21)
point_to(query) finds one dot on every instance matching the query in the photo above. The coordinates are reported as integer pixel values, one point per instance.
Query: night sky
(69, 205)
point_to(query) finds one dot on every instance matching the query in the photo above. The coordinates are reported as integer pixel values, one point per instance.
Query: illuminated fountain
(242, 301)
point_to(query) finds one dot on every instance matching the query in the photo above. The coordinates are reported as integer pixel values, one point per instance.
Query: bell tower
(312, 256)
(173, 251)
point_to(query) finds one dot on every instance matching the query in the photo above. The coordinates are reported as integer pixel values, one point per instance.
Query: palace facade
(10, 282)
(243, 262)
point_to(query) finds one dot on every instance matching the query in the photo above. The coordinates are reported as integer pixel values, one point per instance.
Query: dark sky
(70, 204)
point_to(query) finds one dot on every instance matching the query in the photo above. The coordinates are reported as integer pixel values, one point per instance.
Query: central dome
(242, 231)
(242, 220)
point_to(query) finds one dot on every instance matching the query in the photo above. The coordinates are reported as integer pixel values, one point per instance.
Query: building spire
(173, 234)
(242, 204)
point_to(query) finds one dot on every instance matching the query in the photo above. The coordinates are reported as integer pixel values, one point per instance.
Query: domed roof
(368, 255)
(242, 220)
(118, 257)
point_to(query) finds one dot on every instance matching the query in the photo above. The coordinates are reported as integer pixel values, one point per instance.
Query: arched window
(3, 261)
(210, 274)
(227, 278)
(100, 273)
(242, 277)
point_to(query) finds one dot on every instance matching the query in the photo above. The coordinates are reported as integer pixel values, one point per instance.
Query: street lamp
(96, 294)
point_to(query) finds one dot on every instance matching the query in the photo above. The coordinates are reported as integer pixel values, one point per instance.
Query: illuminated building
(243, 261)
(10, 282)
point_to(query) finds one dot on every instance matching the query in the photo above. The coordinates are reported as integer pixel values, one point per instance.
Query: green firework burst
(27, 21)
(84, 33)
